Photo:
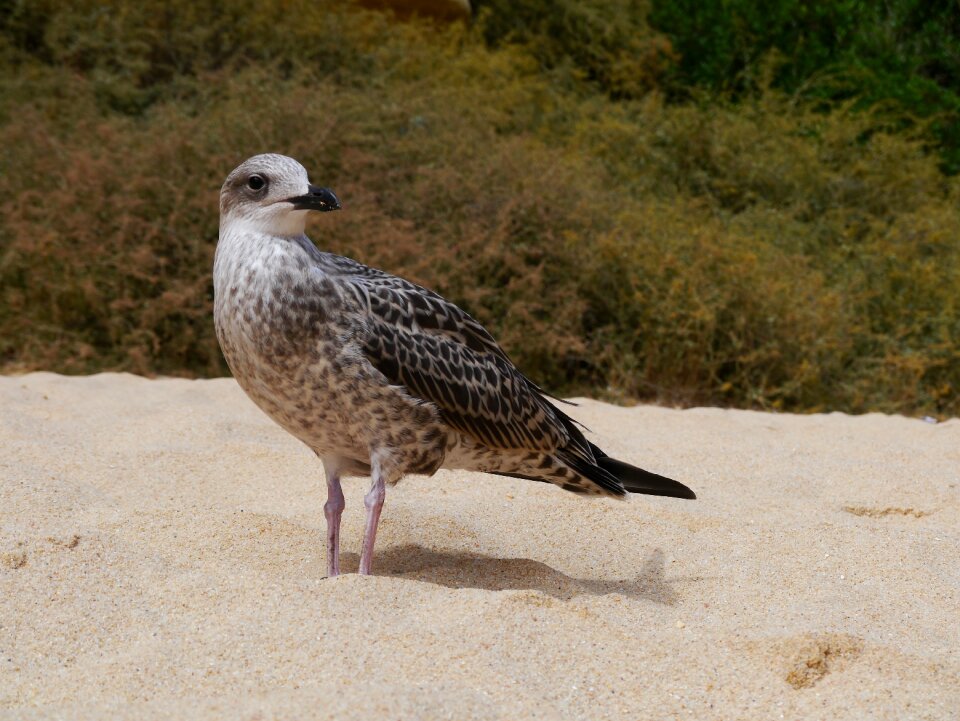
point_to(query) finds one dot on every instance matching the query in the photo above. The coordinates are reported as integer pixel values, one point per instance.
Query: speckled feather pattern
(357, 364)
(377, 375)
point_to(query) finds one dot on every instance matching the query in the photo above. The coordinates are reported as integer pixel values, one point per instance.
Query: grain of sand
(162, 556)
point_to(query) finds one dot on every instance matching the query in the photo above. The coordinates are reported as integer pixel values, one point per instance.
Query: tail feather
(598, 474)
(613, 477)
(637, 480)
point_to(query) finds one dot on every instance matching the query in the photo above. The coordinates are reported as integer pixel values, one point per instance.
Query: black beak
(317, 198)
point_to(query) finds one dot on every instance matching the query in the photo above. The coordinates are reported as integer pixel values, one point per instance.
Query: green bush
(902, 55)
(764, 253)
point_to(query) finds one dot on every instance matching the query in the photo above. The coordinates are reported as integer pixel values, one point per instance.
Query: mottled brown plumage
(378, 375)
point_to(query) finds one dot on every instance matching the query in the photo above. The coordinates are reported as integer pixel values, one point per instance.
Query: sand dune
(162, 556)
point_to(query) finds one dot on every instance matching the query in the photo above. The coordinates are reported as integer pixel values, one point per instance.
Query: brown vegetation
(765, 254)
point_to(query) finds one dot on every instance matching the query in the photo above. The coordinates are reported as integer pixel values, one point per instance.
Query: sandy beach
(162, 556)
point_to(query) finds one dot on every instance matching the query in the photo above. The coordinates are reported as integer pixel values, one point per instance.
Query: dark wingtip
(678, 490)
(637, 480)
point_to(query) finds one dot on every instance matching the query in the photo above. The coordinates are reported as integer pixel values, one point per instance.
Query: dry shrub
(766, 254)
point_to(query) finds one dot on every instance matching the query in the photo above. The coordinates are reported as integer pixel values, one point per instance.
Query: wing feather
(441, 354)
(504, 414)
(399, 301)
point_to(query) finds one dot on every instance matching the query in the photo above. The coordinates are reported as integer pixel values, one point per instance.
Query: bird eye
(255, 182)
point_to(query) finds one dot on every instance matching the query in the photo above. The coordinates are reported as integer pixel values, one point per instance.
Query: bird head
(273, 194)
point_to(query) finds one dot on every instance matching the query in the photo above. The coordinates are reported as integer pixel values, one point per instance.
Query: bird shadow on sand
(455, 569)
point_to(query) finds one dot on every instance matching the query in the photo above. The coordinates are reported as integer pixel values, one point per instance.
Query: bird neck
(290, 224)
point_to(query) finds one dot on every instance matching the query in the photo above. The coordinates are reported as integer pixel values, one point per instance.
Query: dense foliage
(760, 246)
(903, 56)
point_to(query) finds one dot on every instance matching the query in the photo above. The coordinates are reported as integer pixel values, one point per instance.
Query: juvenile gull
(375, 374)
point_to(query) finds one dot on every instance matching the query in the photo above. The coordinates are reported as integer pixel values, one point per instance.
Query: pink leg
(332, 509)
(374, 503)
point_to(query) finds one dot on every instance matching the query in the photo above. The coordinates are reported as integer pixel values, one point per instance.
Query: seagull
(379, 376)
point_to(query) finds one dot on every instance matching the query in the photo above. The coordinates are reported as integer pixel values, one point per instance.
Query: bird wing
(400, 301)
(440, 354)
(437, 351)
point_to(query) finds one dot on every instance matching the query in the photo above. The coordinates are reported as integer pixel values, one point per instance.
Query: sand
(162, 556)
